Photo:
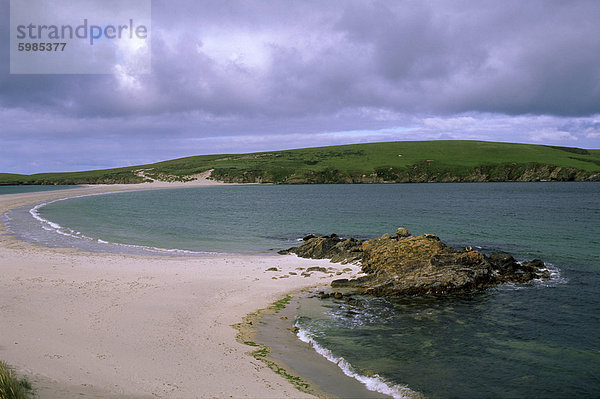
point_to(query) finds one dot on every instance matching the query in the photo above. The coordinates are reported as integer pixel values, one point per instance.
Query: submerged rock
(418, 265)
(316, 269)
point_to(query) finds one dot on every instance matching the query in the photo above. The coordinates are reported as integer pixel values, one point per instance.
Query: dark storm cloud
(282, 73)
(508, 57)
(536, 57)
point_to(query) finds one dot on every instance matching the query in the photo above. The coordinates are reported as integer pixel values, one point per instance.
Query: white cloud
(551, 136)
(450, 123)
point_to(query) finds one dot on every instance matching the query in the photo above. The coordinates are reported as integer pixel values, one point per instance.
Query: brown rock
(419, 265)
(402, 232)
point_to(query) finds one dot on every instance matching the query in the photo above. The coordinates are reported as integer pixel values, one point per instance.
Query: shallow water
(532, 340)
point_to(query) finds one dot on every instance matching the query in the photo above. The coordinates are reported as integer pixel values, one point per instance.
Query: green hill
(405, 161)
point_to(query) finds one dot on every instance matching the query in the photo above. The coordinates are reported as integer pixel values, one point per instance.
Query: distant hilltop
(388, 162)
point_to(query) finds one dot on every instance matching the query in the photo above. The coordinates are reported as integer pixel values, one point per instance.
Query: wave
(67, 232)
(555, 275)
(373, 383)
(555, 279)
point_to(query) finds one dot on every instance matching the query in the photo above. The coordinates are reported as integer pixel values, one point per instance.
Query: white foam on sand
(67, 232)
(373, 383)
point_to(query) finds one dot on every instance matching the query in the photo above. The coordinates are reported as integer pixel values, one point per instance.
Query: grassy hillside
(106, 176)
(415, 161)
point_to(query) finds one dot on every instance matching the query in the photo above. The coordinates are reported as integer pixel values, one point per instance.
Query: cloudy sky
(242, 76)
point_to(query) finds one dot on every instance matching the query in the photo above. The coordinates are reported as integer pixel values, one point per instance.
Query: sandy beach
(82, 324)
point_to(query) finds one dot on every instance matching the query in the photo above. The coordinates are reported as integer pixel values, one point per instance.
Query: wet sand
(300, 358)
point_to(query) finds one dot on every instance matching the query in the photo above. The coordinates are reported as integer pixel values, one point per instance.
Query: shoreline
(286, 350)
(113, 325)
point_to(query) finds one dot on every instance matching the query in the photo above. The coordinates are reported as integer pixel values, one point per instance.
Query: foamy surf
(373, 383)
(51, 226)
(555, 279)
(555, 276)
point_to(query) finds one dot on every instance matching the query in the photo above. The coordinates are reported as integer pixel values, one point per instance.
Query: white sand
(103, 325)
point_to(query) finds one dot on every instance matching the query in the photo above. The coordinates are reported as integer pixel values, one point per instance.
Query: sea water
(540, 339)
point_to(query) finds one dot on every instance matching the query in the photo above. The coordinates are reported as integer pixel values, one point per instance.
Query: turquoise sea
(540, 339)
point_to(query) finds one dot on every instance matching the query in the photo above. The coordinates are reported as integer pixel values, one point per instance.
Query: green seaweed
(246, 330)
(281, 304)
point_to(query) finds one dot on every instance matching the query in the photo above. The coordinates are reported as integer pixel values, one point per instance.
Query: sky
(244, 76)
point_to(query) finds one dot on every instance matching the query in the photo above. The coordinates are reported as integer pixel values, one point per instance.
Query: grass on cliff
(11, 386)
(331, 164)
(246, 332)
(357, 159)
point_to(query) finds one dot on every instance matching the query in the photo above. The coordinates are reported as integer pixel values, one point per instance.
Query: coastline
(286, 350)
(113, 325)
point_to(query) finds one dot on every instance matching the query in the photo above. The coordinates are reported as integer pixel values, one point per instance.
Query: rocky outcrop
(403, 264)
(328, 247)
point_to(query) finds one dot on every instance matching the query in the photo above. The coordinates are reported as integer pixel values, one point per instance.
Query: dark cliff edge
(404, 264)
(423, 172)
